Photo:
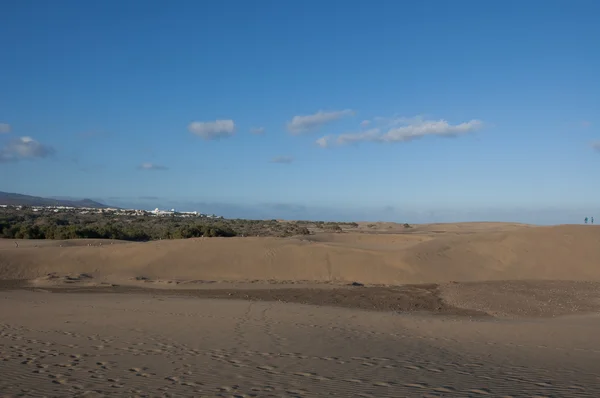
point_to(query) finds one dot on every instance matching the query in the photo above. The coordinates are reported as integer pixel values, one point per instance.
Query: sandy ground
(423, 254)
(139, 345)
(468, 309)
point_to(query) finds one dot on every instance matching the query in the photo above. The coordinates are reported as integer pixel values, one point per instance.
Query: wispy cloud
(5, 128)
(282, 159)
(324, 141)
(258, 130)
(152, 166)
(365, 123)
(431, 127)
(303, 123)
(348, 138)
(24, 148)
(396, 120)
(586, 123)
(413, 128)
(595, 145)
(213, 130)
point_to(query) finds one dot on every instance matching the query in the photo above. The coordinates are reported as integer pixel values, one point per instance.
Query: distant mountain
(17, 199)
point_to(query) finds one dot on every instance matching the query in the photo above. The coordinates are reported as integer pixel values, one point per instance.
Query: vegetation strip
(25, 223)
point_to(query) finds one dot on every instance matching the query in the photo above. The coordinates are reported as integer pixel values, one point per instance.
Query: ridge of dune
(566, 252)
(206, 259)
(563, 252)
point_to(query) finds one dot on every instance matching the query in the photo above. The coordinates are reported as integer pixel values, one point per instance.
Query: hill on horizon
(16, 199)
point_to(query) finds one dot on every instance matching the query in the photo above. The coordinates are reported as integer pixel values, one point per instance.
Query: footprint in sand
(227, 388)
(416, 385)
(381, 359)
(543, 384)
(480, 391)
(435, 370)
(382, 384)
(444, 389)
(305, 374)
(295, 393)
(189, 384)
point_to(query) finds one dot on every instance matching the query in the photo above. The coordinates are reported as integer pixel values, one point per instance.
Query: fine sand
(143, 345)
(424, 254)
(470, 309)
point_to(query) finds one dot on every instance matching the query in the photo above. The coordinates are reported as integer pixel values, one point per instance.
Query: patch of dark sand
(404, 299)
(524, 298)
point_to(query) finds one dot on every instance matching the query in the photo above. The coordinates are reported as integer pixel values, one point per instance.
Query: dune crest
(564, 252)
(425, 254)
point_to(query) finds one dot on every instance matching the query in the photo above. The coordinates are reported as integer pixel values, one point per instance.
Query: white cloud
(213, 130)
(365, 123)
(348, 138)
(430, 127)
(4, 128)
(258, 130)
(324, 142)
(152, 166)
(303, 123)
(388, 122)
(414, 128)
(369, 135)
(282, 159)
(24, 148)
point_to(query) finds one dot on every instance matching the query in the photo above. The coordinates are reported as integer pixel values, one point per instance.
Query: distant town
(111, 210)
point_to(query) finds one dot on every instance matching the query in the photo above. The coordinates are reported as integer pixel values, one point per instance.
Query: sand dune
(566, 252)
(249, 338)
(97, 345)
(490, 251)
(446, 228)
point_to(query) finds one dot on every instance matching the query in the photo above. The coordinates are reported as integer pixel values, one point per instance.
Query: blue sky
(417, 111)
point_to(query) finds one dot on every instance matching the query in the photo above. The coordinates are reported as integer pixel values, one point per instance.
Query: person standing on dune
(592, 220)
(585, 220)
